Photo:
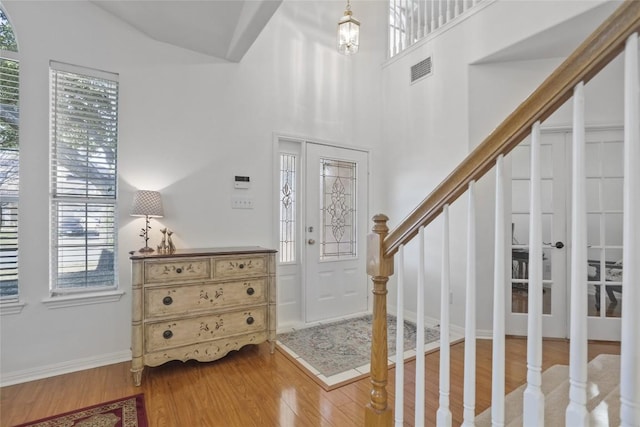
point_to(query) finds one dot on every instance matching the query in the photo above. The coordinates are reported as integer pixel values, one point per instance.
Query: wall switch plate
(241, 202)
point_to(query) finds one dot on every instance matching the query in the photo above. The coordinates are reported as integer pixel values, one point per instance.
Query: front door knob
(311, 242)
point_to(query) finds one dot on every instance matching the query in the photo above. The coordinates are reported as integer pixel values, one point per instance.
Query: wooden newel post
(377, 413)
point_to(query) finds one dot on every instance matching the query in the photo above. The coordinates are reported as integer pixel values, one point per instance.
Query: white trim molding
(67, 367)
(82, 299)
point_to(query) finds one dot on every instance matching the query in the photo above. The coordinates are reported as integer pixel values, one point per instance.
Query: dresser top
(231, 250)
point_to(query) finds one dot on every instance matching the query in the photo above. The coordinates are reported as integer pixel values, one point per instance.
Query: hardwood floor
(254, 388)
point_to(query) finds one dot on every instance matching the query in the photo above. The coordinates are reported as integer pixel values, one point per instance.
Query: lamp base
(146, 249)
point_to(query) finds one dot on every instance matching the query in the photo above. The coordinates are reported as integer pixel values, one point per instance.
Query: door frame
(610, 322)
(288, 324)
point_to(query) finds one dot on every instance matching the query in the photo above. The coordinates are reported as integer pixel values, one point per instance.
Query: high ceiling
(220, 28)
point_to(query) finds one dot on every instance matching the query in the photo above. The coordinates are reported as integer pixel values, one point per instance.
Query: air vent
(421, 69)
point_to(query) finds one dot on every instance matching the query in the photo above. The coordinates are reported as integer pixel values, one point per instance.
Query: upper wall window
(413, 20)
(9, 160)
(84, 140)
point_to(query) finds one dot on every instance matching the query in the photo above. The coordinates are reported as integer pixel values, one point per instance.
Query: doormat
(337, 353)
(127, 412)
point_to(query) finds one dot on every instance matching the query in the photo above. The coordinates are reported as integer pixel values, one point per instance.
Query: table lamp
(149, 205)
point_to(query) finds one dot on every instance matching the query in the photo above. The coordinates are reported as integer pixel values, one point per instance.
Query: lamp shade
(147, 203)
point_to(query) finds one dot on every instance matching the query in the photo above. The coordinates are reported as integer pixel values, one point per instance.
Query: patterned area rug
(333, 348)
(128, 412)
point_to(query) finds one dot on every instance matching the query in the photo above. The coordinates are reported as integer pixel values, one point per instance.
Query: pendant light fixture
(348, 32)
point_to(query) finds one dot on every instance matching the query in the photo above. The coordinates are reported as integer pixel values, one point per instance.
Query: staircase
(572, 400)
(603, 398)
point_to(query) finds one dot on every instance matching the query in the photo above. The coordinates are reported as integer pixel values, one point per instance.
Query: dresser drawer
(185, 299)
(182, 270)
(170, 334)
(240, 266)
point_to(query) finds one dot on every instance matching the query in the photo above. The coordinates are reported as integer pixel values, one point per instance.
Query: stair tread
(603, 395)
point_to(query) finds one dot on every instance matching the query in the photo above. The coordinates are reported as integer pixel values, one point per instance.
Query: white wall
(437, 121)
(188, 124)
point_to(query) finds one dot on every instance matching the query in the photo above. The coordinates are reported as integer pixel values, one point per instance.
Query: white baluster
(444, 413)
(412, 4)
(433, 15)
(393, 23)
(407, 32)
(533, 406)
(630, 347)
(456, 11)
(498, 360)
(420, 371)
(419, 31)
(577, 414)
(399, 417)
(469, 398)
(449, 9)
(425, 22)
(441, 13)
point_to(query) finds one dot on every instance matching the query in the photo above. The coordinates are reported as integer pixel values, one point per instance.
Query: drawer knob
(249, 320)
(179, 270)
(167, 334)
(250, 291)
(241, 266)
(167, 300)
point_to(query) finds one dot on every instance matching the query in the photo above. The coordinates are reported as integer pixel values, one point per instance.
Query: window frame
(65, 294)
(11, 303)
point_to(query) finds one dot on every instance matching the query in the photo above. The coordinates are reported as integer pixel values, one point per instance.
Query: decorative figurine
(162, 247)
(166, 246)
(171, 246)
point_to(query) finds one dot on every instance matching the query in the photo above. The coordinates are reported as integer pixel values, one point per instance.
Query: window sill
(11, 307)
(64, 301)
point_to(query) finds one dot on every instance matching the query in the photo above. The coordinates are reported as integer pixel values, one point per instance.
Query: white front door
(553, 152)
(335, 231)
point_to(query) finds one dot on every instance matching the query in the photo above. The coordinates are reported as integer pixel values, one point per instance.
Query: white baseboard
(47, 371)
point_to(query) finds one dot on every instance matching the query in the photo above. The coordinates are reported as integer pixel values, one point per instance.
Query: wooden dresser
(200, 304)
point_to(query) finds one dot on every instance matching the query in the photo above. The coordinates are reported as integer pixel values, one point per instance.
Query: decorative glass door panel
(338, 183)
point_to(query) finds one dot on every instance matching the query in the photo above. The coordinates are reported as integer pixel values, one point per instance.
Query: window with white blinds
(9, 160)
(84, 137)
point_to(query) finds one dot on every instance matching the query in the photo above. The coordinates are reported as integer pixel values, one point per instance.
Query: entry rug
(128, 412)
(337, 353)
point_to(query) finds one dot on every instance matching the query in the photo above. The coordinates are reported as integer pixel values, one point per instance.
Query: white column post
(577, 414)
(533, 406)
(630, 347)
(399, 405)
(443, 416)
(420, 371)
(498, 357)
(469, 394)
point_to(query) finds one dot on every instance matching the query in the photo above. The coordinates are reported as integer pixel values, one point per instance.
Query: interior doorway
(604, 169)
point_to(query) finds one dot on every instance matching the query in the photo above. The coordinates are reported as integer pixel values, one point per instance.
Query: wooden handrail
(600, 48)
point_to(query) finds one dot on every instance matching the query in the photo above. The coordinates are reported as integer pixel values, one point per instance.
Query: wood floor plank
(254, 388)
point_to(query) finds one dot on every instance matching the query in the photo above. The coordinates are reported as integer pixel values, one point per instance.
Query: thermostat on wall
(242, 182)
